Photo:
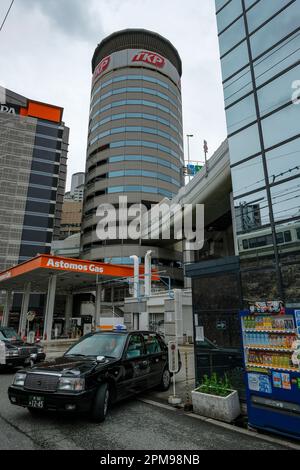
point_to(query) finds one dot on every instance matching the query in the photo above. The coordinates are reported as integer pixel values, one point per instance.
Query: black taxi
(18, 353)
(100, 369)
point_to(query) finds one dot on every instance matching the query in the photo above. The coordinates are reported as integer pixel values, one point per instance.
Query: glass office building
(260, 50)
(33, 162)
(33, 155)
(260, 59)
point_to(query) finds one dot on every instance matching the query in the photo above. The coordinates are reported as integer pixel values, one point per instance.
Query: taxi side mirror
(100, 359)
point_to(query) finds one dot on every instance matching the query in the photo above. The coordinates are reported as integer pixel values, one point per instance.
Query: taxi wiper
(81, 355)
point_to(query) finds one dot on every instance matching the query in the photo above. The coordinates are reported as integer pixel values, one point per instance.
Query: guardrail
(183, 193)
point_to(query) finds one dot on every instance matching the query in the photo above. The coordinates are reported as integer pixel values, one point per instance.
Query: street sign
(221, 325)
(173, 356)
(191, 169)
(200, 334)
(30, 316)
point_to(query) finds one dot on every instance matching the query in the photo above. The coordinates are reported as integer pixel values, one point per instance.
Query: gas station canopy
(72, 274)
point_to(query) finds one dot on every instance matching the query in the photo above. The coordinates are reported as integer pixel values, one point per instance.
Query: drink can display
(272, 361)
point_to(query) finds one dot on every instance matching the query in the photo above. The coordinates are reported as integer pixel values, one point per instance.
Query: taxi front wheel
(100, 404)
(165, 380)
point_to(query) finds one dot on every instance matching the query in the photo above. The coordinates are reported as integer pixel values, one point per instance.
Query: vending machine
(271, 345)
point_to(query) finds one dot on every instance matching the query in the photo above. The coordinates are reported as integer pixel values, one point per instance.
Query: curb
(230, 427)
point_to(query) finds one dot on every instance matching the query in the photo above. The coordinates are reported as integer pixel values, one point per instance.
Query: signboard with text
(173, 356)
(8, 108)
(137, 58)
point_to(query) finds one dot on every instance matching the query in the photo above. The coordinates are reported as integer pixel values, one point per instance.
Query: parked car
(19, 353)
(100, 369)
(212, 358)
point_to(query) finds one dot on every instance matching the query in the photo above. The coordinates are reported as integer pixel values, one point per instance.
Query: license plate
(36, 402)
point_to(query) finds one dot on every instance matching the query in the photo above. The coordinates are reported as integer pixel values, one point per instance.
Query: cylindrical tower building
(135, 141)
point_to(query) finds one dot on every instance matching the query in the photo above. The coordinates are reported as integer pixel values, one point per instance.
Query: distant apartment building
(72, 207)
(78, 180)
(78, 193)
(67, 196)
(33, 159)
(71, 218)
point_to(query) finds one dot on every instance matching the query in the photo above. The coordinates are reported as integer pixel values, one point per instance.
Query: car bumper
(39, 357)
(55, 401)
(16, 361)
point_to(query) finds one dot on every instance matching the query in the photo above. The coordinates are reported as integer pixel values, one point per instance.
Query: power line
(270, 176)
(5, 18)
(273, 107)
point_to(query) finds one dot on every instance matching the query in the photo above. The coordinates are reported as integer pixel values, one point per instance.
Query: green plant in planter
(213, 385)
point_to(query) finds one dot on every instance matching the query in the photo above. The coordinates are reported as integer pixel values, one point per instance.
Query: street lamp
(188, 146)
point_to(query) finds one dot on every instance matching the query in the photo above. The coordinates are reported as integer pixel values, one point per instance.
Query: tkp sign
(101, 67)
(150, 58)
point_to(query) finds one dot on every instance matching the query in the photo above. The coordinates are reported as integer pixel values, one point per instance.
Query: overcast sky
(46, 48)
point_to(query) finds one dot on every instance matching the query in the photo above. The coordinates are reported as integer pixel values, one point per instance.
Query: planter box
(222, 408)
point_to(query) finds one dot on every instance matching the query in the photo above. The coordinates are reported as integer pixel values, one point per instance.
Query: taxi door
(158, 358)
(136, 366)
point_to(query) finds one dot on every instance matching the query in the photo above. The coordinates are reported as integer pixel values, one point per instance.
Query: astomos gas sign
(74, 266)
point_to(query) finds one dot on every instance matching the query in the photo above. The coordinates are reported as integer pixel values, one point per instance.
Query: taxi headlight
(19, 379)
(71, 384)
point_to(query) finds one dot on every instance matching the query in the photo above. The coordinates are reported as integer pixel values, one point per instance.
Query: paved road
(129, 425)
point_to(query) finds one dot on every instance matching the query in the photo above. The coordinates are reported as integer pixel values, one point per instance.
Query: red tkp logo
(149, 58)
(101, 67)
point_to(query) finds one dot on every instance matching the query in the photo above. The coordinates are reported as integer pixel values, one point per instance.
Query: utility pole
(205, 148)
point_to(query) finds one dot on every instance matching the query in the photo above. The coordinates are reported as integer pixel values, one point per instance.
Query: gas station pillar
(98, 304)
(7, 307)
(68, 313)
(24, 309)
(48, 321)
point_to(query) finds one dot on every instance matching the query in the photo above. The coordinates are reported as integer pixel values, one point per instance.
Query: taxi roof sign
(120, 327)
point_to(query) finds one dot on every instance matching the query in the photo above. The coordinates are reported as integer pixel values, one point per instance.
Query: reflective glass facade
(260, 59)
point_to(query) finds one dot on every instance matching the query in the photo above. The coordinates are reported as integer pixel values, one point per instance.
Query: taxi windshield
(10, 334)
(103, 344)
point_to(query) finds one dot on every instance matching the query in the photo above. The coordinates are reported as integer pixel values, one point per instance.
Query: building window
(127, 102)
(145, 78)
(136, 129)
(143, 90)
